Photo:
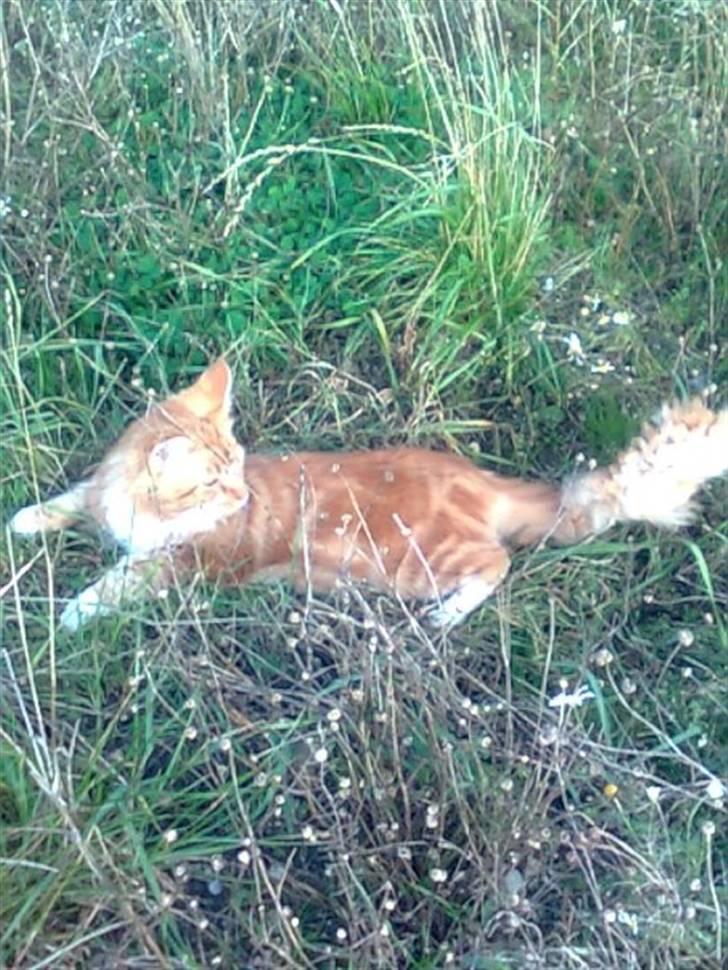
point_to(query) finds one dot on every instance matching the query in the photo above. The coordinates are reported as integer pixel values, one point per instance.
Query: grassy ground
(490, 227)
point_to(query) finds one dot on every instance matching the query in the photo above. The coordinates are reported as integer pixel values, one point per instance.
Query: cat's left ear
(211, 396)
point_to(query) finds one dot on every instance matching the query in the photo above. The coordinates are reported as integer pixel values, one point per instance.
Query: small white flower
(171, 836)
(574, 349)
(653, 793)
(621, 318)
(575, 699)
(618, 26)
(320, 755)
(628, 919)
(686, 638)
(438, 875)
(715, 790)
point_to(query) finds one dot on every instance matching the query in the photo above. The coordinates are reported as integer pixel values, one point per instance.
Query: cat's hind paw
(453, 608)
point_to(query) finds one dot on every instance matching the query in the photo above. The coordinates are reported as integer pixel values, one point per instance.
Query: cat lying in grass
(180, 494)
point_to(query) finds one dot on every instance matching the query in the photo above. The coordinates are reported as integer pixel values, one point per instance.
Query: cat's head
(177, 471)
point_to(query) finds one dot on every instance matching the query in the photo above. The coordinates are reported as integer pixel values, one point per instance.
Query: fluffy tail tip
(656, 478)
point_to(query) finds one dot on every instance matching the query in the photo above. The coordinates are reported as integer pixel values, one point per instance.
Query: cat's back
(369, 470)
(413, 483)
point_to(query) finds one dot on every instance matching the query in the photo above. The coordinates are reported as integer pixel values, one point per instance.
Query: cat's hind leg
(473, 589)
(57, 513)
(130, 578)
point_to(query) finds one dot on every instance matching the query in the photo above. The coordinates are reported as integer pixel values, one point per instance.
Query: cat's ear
(171, 455)
(211, 396)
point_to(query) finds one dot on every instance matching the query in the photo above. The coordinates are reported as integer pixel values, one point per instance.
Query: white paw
(454, 607)
(443, 615)
(28, 521)
(81, 609)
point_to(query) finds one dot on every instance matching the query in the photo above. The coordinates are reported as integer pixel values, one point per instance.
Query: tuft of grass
(495, 227)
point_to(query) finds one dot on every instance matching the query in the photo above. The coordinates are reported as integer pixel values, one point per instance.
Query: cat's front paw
(81, 609)
(29, 521)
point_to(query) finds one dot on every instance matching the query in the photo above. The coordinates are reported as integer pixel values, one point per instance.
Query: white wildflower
(575, 699)
(574, 349)
(715, 790)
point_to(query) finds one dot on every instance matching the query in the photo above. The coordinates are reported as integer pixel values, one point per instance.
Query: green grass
(391, 217)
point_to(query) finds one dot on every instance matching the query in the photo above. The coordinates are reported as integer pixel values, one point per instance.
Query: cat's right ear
(211, 396)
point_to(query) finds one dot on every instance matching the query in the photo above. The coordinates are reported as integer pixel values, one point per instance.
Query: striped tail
(654, 480)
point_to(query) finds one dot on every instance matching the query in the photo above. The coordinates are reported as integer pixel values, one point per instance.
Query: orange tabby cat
(179, 493)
